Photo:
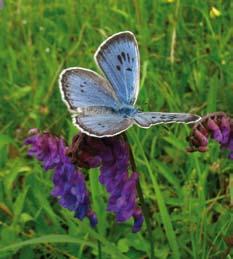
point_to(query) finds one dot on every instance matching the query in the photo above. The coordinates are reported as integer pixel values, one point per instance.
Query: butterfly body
(127, 110)
(104, 106)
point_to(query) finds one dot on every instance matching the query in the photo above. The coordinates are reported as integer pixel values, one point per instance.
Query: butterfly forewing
(147, 119)
(118, 58)
(82, 88)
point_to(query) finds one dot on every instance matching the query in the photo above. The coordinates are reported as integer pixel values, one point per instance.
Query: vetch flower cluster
(219, 126)
(110, 154)
(69, 185)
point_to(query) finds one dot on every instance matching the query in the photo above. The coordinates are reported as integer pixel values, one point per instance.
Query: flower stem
(145, 209)
(99, 250)
(147, 219)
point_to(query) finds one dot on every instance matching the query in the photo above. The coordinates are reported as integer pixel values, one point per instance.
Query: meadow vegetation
(186, 66)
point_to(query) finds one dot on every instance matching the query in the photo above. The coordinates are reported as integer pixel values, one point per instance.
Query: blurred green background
(186, 66)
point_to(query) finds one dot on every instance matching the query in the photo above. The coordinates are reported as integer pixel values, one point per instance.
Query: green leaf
(123, 246)
(212, 94)
(19, 92)
(5, 140)
(19, 203)
(59, 239)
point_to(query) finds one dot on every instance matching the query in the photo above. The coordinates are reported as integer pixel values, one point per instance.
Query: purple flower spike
(69, 184)
(218, 126)
(112, 155)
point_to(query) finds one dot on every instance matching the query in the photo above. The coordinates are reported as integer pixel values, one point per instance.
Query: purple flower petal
(138, 220)
(216, 132)
(202, 139)
(225, 129)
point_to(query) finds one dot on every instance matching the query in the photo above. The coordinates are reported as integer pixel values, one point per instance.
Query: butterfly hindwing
(118, 58)
(102, 125)
(147, 119)
(83, 88)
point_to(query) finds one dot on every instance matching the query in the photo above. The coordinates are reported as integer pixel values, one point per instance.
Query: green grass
(186, 66)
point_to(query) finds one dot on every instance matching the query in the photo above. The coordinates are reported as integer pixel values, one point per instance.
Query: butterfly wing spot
(82, 90)
(128, 57)
(172, 117)
(166, 117)
(123, 55)
(120, 59)
(82, 86)
(101, 125)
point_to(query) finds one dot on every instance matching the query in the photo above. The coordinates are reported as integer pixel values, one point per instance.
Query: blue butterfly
(104, 107)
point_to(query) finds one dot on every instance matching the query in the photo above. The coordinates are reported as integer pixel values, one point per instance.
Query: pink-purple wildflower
(219, 127)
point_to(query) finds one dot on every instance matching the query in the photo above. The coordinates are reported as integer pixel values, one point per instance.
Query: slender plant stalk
(145, 209)
(99, 249)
